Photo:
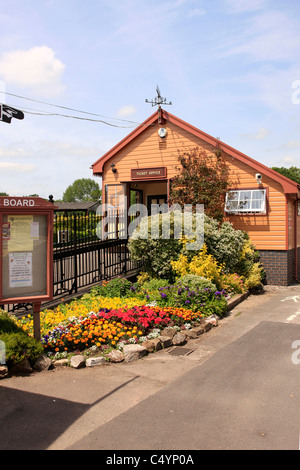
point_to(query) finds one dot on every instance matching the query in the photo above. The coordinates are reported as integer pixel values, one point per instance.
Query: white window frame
(240, 200)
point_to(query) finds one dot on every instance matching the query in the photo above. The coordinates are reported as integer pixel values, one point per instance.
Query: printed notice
(20, 269)
(6, 231)
(20, 233)
(34, 230)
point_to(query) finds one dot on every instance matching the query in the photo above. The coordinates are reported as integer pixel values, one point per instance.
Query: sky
(81, 72)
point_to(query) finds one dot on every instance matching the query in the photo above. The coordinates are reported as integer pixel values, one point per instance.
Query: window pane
(244, 204)
(232, 205)
(232, 196)
(245, 198)
(258, 195)
(246, 201)
(257, 205)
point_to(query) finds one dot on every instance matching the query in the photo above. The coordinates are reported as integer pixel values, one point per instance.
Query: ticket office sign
(26, 250)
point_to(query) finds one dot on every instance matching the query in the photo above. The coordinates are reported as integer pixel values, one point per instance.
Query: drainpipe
(296, 237)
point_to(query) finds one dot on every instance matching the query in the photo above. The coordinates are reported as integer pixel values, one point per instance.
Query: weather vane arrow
(7, 113)
(157, 101)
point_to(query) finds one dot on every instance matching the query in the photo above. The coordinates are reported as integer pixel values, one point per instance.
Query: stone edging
(131, 352)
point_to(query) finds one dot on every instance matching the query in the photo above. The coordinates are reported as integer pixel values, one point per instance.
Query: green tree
(82, 190)
(293, 173)
(202, 179)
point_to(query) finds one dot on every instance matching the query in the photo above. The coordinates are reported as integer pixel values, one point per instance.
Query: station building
(261, 201)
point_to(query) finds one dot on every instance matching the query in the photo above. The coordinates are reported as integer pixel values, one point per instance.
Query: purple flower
(163, 295)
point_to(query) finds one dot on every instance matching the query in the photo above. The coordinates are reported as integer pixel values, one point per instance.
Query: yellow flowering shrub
(202, 264)
(253, 278)
(247, 250)
(181, 266)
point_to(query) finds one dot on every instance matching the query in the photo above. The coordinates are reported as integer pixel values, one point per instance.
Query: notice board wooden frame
(33, 210)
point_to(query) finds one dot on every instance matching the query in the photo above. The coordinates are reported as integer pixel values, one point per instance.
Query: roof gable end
(288, 185)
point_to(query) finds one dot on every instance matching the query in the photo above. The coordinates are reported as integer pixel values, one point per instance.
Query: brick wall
(279, 266)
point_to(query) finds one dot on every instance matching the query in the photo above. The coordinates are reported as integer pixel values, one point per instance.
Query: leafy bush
(142, 278)
(254, 278)
(202, 264)
(154, 284)
(19, 346)
(224, 243)
(193, 282)
(196, 300)
(249, 256)
(226, 251)
(8, 324)
(232, 283)
(118, 287)
(216, 306)
(158, 240)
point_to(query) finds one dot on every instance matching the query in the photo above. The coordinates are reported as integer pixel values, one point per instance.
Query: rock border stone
(170, 336)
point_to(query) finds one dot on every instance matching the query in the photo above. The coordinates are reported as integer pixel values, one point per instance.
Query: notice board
(24, 255)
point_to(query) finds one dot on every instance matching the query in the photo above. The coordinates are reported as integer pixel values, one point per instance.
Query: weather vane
(158, 100)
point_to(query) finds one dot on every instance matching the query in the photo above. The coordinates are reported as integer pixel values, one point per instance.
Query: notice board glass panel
(24, 255)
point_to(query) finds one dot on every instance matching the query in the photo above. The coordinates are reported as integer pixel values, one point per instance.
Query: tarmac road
(238, 388)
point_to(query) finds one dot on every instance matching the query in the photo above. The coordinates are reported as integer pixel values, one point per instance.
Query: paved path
(239, 388)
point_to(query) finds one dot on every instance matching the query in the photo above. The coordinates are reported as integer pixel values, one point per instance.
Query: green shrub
(193, 282)
(255, 277)
(8, 324)
(118, 287)
(156, 243)
(232, 283)
(158, 240)
(19, 346)
(142, 278)
(216, 306)
(155, 284)
(224, 243)
(196, 299)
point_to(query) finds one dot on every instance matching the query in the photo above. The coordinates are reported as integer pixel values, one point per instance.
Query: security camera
(258, 178)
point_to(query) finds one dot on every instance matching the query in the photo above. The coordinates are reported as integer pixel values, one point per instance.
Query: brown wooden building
(261, 201)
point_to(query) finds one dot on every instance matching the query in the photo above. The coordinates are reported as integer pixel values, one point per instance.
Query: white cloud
(240, 6)
(16, 167)
(288, 160)
(293, 144)
(273, 87)
(196, 12)
(126, 111)
(266, 35)
(261, 134)
(36, 68)
(49, 149)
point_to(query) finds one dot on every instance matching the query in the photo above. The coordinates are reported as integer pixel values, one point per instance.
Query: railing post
(75, 252)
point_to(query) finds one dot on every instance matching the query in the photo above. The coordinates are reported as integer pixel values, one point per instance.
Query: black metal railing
(87, 249)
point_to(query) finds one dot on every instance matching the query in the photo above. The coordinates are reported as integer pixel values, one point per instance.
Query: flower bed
(96, 323)
(77, 309)
(114, 328)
